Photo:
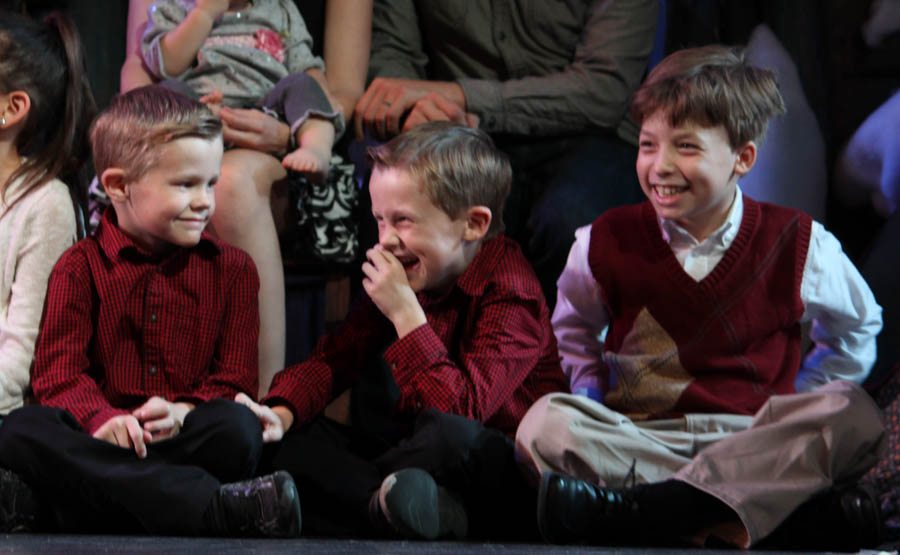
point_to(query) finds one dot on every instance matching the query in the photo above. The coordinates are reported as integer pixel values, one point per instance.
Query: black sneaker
(262, 507)
(411, 504)
(18, 505)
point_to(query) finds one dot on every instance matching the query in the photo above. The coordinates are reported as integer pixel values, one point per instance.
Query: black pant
(94, 486)
(337, 469)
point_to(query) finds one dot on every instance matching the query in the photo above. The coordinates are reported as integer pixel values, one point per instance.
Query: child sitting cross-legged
(446, 351)
(149, 331)
(679, 320)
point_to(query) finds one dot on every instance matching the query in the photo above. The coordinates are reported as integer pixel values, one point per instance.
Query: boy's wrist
(408, 320)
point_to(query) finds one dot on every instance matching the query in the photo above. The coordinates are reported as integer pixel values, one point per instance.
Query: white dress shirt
(843, 312)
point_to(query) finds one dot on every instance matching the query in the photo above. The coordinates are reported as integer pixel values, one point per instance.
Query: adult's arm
(133, 73)
(591, 91)
(845, 316)
(348, 31)
(579, 320)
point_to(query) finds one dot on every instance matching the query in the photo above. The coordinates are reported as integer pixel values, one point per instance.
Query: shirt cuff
(100, 418)
(413, 353)
(484, 98)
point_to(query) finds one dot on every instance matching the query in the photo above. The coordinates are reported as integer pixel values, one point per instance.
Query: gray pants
(762, 467)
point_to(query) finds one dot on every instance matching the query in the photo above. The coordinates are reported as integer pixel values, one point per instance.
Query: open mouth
(408, 261)
(668, 191)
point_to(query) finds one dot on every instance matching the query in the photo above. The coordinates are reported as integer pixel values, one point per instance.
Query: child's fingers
(160, 424)
(136, 434)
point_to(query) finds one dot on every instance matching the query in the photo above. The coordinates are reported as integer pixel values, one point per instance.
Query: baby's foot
(310, 162)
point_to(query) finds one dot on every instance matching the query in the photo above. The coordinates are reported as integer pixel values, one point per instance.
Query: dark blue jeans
(879, 268)
(559, 185)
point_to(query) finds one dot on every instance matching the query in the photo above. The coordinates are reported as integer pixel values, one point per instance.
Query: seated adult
(548, 81)
(253, 183)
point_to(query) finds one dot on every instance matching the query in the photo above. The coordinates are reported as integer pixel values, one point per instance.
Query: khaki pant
(762, 467)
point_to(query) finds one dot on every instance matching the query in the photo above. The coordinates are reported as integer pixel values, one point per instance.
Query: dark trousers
(94, 486)
(337, 469)
(559, 185)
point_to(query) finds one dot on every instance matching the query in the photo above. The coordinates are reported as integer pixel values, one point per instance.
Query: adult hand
(125, 431)
(382, 107)
(436, 107)
(274, 424)
(386, 284)
(247, 128)
(161, 418)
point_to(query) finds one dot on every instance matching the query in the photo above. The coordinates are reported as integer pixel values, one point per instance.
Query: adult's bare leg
(243, 217)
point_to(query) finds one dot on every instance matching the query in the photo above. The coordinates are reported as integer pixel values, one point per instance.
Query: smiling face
(171, 204)
(429, 243)
(690, 173)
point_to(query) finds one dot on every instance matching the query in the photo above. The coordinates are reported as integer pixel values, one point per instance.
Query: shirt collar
(116, 243)
(473, 280)
(677, 236)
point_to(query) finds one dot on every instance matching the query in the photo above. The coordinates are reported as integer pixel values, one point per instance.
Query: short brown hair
(710, 86)
(458, 167)
(125, 135)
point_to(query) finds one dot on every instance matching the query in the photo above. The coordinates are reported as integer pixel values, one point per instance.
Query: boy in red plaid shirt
(439, 360)
(150, 328)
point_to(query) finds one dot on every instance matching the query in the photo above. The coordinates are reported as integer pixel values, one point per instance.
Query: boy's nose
(387, 238)
(202, 198)
(663, 162)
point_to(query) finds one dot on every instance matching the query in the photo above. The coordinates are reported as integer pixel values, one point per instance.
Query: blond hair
(127, 133)
(457, 166)
(710, 86)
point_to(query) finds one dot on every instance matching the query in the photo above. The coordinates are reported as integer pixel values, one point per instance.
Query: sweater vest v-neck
(724, 344)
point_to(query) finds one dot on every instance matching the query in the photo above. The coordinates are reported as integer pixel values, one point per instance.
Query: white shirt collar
(680, 238)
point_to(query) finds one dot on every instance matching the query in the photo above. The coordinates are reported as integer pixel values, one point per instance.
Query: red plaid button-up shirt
(121, 325)
(487, 352)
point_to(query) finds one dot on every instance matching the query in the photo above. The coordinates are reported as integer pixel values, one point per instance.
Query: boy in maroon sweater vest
(679, 325)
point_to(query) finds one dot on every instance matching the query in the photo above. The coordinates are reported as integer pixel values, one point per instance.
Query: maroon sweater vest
(721, 345)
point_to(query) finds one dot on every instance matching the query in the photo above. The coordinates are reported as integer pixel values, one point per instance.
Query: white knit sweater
(33, 235)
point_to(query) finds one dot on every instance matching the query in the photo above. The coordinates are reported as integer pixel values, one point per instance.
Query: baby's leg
(315, 137)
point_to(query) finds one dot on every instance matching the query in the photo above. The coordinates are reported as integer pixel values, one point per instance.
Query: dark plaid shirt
(121, 325)
(487, 352)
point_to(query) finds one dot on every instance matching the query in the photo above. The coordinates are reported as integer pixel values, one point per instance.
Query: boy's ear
(18, 105)
(113, 180)
(478, 221)
(746, 157)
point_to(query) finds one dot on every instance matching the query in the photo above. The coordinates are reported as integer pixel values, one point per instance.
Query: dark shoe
(262, 507)
(840, 519)
(18, 504)
(411, 504)
(574, 511)
(862, 514)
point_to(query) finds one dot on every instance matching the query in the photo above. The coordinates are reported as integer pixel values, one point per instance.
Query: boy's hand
(160, 418)
(274, 421)
(213, 8)
(125, 431)
(389, 289)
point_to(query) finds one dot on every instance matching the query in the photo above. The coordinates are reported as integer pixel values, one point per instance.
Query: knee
(535, 425)
(247, 179)
(30, 427)
(235, 432)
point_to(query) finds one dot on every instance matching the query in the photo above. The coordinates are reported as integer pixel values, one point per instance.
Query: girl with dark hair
(46, 107)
